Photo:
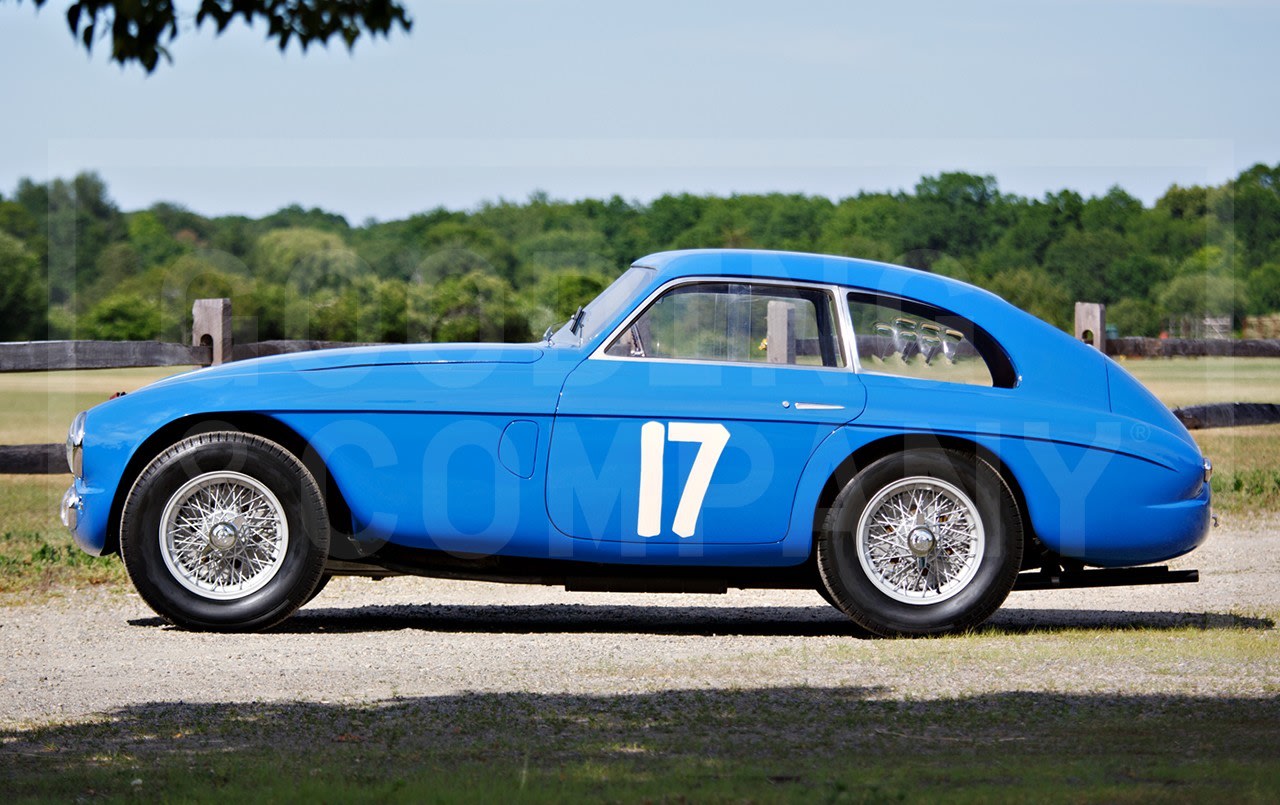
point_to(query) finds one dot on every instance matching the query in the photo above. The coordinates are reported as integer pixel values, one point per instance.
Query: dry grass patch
(1195, 381)
(39, 406)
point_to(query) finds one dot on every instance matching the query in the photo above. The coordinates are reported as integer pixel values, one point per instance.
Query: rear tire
(225, 531)
(922, 542)
(324, 582)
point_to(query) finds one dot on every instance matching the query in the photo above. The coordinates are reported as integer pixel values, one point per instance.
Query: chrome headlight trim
(75, 443)
(1208, 470)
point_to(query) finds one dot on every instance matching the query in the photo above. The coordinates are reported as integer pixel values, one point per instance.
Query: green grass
(842, 744)
(1246, 465)
(37, 554)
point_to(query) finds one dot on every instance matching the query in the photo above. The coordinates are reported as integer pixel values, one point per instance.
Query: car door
(692, 422)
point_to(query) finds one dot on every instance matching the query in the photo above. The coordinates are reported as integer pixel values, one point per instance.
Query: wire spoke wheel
(223, 535)
(923, 542)
(920, 540)
(225, 531)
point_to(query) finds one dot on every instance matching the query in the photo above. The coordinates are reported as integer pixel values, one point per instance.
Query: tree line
(73, 265)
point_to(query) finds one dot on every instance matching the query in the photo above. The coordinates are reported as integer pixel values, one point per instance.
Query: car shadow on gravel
(818, 621)
(569, 744)
(565, 619)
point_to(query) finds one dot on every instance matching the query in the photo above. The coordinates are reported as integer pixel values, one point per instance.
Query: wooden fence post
(780, 332)
(1091, 324)
(211, 327)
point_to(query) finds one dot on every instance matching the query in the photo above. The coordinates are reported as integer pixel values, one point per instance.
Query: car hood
(376, 355)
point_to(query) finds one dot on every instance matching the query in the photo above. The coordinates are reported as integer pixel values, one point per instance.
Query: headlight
(1208, 470)
(75, 441)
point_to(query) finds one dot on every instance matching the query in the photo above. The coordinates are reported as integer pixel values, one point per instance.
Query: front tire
(921, 542)
(225, 531)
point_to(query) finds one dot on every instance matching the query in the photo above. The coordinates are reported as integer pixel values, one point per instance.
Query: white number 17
(712, 436)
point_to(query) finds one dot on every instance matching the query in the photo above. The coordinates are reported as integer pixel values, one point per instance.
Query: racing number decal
(712, 437)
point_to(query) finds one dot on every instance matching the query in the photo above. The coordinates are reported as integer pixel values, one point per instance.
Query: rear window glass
(909, 339)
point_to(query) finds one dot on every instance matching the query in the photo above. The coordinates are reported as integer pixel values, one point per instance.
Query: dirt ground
(91, 652)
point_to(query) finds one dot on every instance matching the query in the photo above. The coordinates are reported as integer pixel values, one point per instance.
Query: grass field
(36, 553)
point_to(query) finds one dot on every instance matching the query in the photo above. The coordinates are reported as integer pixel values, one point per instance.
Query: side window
(736, 322)
(901, 337)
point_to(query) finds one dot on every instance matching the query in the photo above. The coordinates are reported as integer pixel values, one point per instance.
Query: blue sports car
(910, 446)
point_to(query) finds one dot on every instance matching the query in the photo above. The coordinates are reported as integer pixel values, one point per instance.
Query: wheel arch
(873, 451)
(243, 422)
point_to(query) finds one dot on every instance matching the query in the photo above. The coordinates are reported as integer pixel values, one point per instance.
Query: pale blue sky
(496, 99)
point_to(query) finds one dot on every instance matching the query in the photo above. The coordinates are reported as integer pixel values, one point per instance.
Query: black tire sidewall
(858, 596)
(261, 460)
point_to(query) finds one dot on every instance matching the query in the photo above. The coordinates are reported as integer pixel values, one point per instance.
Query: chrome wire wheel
(920, 540)
(223, 535)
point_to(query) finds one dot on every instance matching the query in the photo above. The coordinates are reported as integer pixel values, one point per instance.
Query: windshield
(603, 309)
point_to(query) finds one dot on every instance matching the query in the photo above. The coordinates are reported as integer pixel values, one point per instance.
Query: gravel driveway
(95, 651)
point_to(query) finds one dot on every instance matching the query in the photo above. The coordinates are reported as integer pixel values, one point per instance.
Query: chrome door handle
(808, 406)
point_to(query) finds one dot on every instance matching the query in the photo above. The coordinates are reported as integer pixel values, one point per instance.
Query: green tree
(370, 310)
(1086, 264)
(122, 317)
(559, 250)
(1191, 297)
(22, 294)
(670, 216)
(79, 220)
(263, 311)
(953, 213)
(234, 235)
(622, 224)
(183, 225)
(1178, 225)
(1035, 292)
(1137, 317)
(1257, 214)
(454, 249)
(1211, 260)
(305, 260)
(118, 264)
(141, 31)
(395, 249)
(150, 240)
(1263, 289)
(18, 221)
(472, 307)
(295, 216)
(1117, 211)
(176, 285)
(560, 293)
(1034, 227)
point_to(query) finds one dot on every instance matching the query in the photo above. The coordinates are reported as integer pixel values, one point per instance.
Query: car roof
(853, 272)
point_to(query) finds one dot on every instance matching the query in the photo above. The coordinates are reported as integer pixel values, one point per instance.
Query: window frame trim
(841, 321)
